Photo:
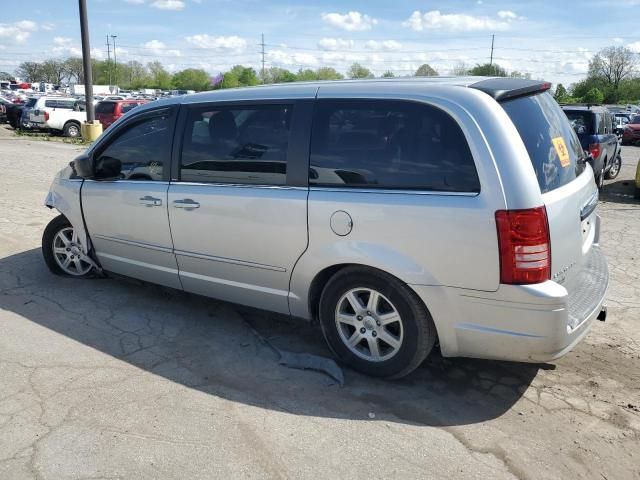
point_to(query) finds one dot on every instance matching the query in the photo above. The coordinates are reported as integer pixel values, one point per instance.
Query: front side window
(139, 152)
(391, 145)
(240, 145)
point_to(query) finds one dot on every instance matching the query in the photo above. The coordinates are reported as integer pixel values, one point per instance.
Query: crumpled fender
(64, 196)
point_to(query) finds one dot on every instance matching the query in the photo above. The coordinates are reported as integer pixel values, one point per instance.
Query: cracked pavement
(116, 379)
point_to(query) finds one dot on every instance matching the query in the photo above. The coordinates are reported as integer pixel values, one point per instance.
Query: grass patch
(47, 137)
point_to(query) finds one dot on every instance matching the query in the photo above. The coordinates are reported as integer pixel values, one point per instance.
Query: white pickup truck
(61, 114)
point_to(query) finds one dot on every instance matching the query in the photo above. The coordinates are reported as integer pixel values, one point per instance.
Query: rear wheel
(374, 323)
(62, 249)
(71, 129)
(615, 168)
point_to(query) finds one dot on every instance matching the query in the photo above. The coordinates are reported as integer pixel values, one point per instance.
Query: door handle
(186, 203)
(149, 201)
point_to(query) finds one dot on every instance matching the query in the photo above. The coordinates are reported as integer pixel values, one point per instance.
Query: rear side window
(391, 145)
(554, 148)
(240, 145)
(105, 107)
(66, 104)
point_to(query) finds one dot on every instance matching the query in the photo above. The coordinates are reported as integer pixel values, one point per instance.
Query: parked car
(631, 133)
(637, 182)
(14, 114)
(108, 112)
(621, 119)
(375, 246)
(58, 114)
(596, 130)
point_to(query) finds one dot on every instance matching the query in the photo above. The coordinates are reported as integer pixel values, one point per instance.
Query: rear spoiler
(509, 88)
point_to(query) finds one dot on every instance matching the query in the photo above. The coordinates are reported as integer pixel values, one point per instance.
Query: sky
(551, 40)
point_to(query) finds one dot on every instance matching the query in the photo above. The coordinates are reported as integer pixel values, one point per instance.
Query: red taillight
(525, 249)
(594, 150)
(46, 116)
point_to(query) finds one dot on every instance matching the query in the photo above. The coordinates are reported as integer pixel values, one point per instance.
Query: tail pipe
(602, 316)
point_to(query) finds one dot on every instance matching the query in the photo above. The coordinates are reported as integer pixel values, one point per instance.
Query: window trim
(110, 137)
(297, 158)
(387, 189)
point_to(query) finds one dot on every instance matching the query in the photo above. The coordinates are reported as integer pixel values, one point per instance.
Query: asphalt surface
(115, 379)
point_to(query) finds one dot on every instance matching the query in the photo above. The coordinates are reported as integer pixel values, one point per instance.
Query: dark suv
(595, 126)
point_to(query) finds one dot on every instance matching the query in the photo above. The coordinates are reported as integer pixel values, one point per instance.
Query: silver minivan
(398, 214)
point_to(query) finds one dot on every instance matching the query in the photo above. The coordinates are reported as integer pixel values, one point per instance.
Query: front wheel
(62, 249)
(375, 323)
(615, 168)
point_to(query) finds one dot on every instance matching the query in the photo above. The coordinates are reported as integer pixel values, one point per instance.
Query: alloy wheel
(369, 324)
(67, 251)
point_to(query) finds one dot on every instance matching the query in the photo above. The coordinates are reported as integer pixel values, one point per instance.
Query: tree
(358, 71)
(593, 96)
(517, 74)
(30, 71)
(488, 70)
(278, 75)
(460, 69)
(388, 74)
(306, 75)
(426, 70)
(160, 78)
(192, 79)
(328, 73)
(74, 69)
(560, 92)
(248, 77)
(239, 76)
(53, 71)
(7, 76)
(613, 64)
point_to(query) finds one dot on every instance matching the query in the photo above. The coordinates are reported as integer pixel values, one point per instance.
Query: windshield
(554, 148)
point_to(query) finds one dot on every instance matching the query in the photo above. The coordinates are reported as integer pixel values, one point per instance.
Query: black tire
(636, 194)
(71, 130)
(419, 330)
(615, 168)
(56, 225)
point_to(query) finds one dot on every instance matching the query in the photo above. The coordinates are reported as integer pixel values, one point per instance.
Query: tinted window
(237, 145)
(105, 107)
(31, 103)
(581, 121)
(67, 104)
(141, 150)
(389, 144)
(125, 107)
(547, 134)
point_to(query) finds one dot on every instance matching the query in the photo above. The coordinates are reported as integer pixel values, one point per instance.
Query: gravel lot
(116, 379)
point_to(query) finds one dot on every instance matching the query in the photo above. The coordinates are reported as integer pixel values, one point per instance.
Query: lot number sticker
(561, 150)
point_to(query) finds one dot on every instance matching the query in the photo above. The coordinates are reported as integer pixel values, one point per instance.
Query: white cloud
(168, 4)
(454, 22)
(335, 44)
(385, 45)
(134, 2)
(64, 46)
(47, 26)
(507, 15)
(17, 32)
(634, 47)
(351, 21)
(279, 57)
(159, 48)
(617, 40)
(223, 44)
(62, 41)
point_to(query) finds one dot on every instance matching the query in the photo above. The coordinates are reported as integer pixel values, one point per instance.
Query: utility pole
(86, 62)
(262, 44)
(115, 61)
(491, 58)
(109, 59)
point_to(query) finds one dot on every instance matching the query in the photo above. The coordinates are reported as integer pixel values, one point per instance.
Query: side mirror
(107, 168)
(83, 166)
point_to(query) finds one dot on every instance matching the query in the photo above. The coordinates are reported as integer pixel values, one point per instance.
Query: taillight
(525, 248)
(46, 116)
(594, 150)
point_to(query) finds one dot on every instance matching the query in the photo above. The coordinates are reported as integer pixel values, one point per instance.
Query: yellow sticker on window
(561, 150)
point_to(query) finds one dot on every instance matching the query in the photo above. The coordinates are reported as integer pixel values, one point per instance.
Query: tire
(71, 130)
(51, 240)
(615, 168)
(413, 333)
(636, 193)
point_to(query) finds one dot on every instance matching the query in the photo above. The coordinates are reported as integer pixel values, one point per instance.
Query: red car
(631, 133)
(109, 111)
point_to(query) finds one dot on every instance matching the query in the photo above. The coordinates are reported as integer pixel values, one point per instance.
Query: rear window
(554, 148)
(125, 107)
(581, 121)
(67, 104)
(635, 119)
(31, 103)
(105, 107)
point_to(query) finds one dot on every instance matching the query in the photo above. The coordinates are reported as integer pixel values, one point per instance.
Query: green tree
(159, 77)
(192, 79)
(7, 76)
(560, 92)
(593, 96)
(30, 71)
(239, 76)
(426, 70)
(358, 71)
(612, 64)
(278, 75)
(388, 74)
(488, 70)
(306, 75)
(328, 73)
(74, 70)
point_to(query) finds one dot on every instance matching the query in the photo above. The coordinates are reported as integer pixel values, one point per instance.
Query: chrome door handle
(149, 201)
(186, 203)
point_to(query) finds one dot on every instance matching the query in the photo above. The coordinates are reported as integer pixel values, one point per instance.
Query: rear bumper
(527, 323)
